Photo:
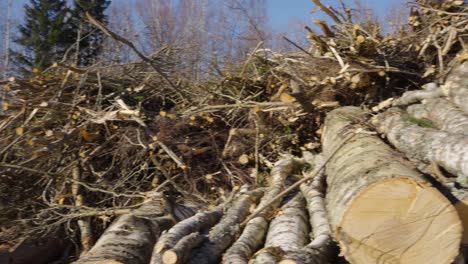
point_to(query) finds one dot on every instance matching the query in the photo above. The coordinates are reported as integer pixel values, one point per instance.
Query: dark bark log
(40, 251)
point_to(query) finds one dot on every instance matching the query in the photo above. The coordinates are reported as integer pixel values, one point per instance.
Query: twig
(326, 11)
(297, 46)
(123, 40)
(250, 58)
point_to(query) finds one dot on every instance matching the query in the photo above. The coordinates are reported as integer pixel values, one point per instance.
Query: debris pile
(133, 164)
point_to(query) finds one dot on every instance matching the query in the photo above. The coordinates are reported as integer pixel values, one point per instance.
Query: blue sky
(281, 13)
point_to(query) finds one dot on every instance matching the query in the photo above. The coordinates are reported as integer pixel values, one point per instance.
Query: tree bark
(130, 239)
(227, 230)
(288, 232)
(425, 144)
(181, 251)
(381, 210)
(456, 86)
(254, 232)
(197, 223)
(443, 114)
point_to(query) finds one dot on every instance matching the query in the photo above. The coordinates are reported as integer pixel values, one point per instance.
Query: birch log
(255, 230)
(425, 144)
(443, 114)
(130, 239)
(288, 232)
(227, 230)
(456, 86)
(380, 209)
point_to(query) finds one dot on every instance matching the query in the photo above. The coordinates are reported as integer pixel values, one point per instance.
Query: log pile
(354, 150)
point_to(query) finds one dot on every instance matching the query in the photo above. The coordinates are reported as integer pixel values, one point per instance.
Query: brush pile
(272, 163)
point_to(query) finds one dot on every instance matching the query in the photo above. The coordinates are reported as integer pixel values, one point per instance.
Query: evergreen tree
(45, 35)
(91, 40)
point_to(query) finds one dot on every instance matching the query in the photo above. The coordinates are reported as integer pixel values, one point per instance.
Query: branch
(125, 41)
(327, 11)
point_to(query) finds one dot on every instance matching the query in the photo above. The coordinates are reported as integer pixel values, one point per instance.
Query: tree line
(203, 36)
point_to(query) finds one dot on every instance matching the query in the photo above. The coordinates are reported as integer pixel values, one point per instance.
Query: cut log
(255, 230)
(227, 230)
(443, 114)
(456, 86)
(288, 231)
(182, 250)
(321, 249)
(202, 221)
(381, 210)
(130, 239)
(425, 144)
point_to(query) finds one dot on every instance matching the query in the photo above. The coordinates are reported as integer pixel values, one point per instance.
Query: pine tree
(45, 35)
(91, 40)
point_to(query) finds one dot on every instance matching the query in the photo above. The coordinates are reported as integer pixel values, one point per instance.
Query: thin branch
(123, 40)
(327, 11)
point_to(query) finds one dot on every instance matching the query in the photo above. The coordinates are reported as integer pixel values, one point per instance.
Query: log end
(462, 209)
(170, 257)
(400, 220)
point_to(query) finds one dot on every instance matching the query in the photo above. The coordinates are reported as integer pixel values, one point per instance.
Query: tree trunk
(425, 144)
(382, 211)
(443, 114)
(456, 86)
(130, 239)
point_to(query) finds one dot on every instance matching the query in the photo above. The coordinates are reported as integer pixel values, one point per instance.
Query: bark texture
(254, 232)
(130, 239)
(181, 251)
(456, 86)
(227, 230)
(428, 145)
(198, 223)
(288, 231)
(443, 114)
(381, 210)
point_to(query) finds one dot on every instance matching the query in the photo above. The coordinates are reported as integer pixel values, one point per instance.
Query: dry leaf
(286, 98)
(244, 159)
(5, 106)
(462, 57)
(49, 133)
(82, 155)
(19, 131)
(360, 39)
(87, 136)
